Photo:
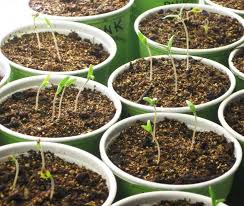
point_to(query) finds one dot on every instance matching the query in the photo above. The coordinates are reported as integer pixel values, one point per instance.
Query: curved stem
(154, 134)
(187, 44)
(16, 174)
(52, 187)
(78, 95)
(56, 46)
(53, 109)
(37, 98)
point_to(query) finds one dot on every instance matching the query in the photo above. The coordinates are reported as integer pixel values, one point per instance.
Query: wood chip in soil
(238, 60)
(176, 203)
(134, 152)
(76, 53)
(18, 113)
(76, 7)
(74, 185)
(233, 4)
(200, 84)
(222, 30)
(234, 115)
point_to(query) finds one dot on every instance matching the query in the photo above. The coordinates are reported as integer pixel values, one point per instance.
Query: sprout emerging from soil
(50, 25)
(143, 40)
(67, 84)
(148, 127)
(58, 91)
(44, 173)
(90, 76)
(206, 26)
(44, 84)
(180, 18)
(14, 159)
(214, 201)
(34, 17)
(192, 107)
(169, 51)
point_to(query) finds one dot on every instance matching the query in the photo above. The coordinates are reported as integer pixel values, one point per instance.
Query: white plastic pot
(239, 12)
(88, 141)
(219, 54)
(129, 185)
(70, 154)
(149, 198)
(5, 71)
(239, 75)
(234, 97)
(207, 110)
(83, 30)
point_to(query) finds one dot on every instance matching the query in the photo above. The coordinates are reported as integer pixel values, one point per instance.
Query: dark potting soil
(76, 7)
(233, 4)
(222, 30)
(134, 152)
(74, 185)
(200, 84)
(234, 115)
(18, 113)
(76, 53)
(238, 60)
(178, 203)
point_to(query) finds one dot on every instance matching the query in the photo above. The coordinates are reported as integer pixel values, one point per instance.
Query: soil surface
(74, 185)
(76, 7)
(76, 53)
(136, 154)
(178, 203)
(18, 113)
(233, 4)
(238, 60)
(222, 30)
(234, 115)
(200, 84)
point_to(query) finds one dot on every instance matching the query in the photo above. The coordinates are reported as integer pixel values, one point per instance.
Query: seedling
(67, 84)
(143, 39)
(14, 159)
(34, 17)
(192, 107)
(43, 85)
(181, 19)
(169, 51)
(206, 26)
(148, 126)
(212, 194)
(58, 91)
(44, 173)
(90, 76)
(50, 25)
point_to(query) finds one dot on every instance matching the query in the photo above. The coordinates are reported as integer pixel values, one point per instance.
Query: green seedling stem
(50, 25)
(34, 17)
(143, 39)
(192, 107)
(58, 91)
(44, 84)
(214, 200)
(169, 51)
(148, 127)
(44, 173)
(14, 159)
(180, 18)
(67, 84)
(90, 76)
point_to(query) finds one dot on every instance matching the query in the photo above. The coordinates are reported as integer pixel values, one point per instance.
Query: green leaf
(148, 127)
(212, 195)
(196, 10)
(13, 158)
(142, 38)
(150, 101)
(61, 85)
(90, 74)
(45, 82)
(38, 145)
(170, 42)
(47, 22)
(191, 106)
(70, 82)
(46, 175)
